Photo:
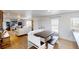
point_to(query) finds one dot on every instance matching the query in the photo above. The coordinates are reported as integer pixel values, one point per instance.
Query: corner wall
(65, 30)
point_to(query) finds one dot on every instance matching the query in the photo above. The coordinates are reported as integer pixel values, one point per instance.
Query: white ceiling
(50, 12)
(24, 13)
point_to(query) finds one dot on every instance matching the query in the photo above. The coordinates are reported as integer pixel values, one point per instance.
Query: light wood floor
(65, 44)
(22, 43)
(17, 42)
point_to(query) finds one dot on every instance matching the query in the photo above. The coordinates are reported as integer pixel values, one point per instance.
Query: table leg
(46, 44)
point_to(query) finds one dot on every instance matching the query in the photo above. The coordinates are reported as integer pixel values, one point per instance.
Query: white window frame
(55, 27)
(75, 24)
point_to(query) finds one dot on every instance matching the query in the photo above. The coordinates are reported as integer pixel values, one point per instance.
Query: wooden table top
(44, 34)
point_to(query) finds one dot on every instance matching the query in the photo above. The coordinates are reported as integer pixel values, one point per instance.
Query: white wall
(36, 23)
(45, 22)
(42, 23)
(65, 28)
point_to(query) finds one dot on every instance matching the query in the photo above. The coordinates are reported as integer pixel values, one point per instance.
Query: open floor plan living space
(39, 29)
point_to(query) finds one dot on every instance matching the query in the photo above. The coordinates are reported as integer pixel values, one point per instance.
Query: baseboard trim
(66, 39)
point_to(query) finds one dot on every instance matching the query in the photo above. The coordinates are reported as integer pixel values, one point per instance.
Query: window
(54, 25)
(75, 22)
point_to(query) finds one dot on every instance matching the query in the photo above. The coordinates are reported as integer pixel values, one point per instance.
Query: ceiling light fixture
(53, 11)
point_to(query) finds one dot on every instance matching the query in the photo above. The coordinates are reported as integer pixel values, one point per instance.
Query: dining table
(45, 35)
